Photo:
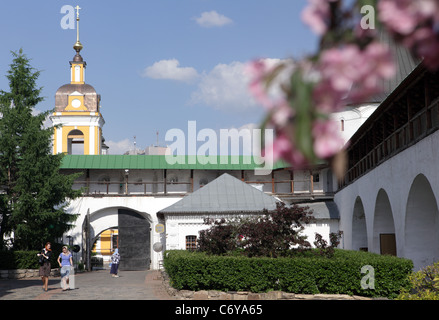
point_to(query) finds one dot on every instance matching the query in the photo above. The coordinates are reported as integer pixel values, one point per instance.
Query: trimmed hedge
(309, 274)
(25, 259)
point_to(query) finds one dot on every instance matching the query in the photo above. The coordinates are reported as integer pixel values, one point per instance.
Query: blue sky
(157, 64)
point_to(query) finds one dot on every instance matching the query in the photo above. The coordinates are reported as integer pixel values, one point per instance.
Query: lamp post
(127, 172)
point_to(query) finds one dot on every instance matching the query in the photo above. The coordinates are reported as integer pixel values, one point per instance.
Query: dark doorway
(134, 241)
(388, 244)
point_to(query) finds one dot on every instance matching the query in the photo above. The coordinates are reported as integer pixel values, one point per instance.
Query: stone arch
(384, 238)
(421, 224)
(93, 242)
(359, 229)
(134, 234)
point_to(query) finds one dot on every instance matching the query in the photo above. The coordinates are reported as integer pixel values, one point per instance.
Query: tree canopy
(33, 192)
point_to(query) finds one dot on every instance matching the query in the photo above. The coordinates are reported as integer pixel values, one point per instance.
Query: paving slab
(95, 285)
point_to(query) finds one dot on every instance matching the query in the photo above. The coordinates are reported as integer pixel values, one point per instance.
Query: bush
(424, 285)
(271, 234)
(26, 259)
(303, 274)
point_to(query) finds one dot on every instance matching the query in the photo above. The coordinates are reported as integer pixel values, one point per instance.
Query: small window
(173, 179)
(104, 180)
(316, 177)
(342, 125)
(191, 242)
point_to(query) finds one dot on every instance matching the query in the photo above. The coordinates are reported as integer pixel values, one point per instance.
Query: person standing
(66, 263)
(46, 254)
(115, 258)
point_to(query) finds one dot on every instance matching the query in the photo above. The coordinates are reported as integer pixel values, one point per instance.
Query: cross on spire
(77, 12)
(78, 46)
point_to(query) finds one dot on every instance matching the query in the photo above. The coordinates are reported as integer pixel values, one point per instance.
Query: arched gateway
(134, 236)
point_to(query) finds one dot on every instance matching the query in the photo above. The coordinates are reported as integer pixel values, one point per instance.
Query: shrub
(26, 259)
(219, 239)
(302, 274)
(271, 234)
(424, 285)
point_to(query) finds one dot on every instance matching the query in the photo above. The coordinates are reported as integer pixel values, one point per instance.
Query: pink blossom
(283, 148)
(379, 58)
(374, 64)
(338, 65)
(348, 72)
(281, 114)
(316, 15)
(398, 15)
(326, 99)
(327, 139)
(403, 16)
(276, 104)
(425, 43)
(257, 70)
(417, 22)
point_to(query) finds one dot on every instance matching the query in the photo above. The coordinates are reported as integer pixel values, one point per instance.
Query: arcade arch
(421, 224)
(359, 230)
(384, 239)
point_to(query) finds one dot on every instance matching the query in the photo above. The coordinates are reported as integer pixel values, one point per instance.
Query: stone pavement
(95, 285)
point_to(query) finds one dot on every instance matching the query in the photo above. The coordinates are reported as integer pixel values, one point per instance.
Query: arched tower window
(75, 142)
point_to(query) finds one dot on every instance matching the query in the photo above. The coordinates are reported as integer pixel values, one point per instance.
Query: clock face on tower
(76, 103)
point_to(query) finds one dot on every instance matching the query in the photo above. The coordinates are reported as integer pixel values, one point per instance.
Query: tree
(219, 239)
(272, 234)
(276, 232)
(33, 193)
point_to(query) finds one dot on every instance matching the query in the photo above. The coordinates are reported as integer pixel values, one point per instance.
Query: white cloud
(119, 147)
(170, 69)
(212, 19)
(226, 87)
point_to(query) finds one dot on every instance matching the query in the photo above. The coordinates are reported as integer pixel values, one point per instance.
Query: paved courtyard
(95, 285)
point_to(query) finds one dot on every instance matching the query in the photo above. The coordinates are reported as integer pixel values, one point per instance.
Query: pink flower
(375, 64)
(281, 114)
(403, 16)
(326, 99)
(425, 43)
(398, 15)
(316, 15)
(417, 21)
(348, 72)
(327, 140)
(274, 102)
(257, 70)
(339, 66)
(283, 148)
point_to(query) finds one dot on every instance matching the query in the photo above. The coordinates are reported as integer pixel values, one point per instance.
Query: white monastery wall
(402, 191)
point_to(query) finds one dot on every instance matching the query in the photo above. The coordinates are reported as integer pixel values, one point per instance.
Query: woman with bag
(66, 263)
(45, 255)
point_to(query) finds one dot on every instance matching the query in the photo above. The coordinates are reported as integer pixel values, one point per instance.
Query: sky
(157, 64)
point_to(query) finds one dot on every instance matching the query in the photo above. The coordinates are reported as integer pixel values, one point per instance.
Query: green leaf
(303, 120)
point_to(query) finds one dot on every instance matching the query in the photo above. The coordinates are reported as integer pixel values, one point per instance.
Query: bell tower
(77, 119)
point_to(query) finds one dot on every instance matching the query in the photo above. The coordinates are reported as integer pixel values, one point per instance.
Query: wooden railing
(154, 188)
(421, 125)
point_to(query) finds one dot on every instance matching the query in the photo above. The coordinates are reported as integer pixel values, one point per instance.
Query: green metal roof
(160, 162)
